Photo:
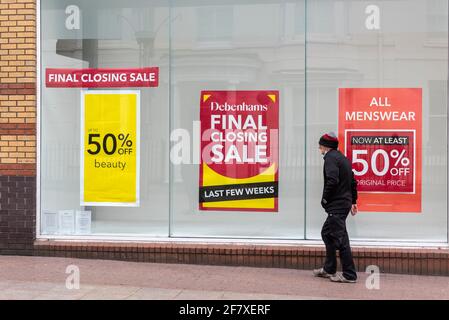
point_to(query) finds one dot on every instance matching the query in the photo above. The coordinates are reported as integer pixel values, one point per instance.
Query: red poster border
(276, 200)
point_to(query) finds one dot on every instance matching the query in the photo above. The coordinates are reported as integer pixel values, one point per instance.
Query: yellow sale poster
(110, 126)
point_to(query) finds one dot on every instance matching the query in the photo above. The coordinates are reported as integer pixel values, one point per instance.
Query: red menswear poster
(380, 130)
(239, 150)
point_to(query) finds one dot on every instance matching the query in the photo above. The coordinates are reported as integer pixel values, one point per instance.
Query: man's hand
(354, 209)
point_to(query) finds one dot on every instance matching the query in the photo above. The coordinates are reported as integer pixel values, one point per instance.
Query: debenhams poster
(239, 151)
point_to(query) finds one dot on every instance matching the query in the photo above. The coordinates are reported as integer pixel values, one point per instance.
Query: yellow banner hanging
(110, 148)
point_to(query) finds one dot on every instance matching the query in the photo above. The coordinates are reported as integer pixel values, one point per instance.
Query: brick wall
(17, 125)
(17, 214)
(405, 261)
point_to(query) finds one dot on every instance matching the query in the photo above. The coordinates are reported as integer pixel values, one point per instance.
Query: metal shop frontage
(187, 131)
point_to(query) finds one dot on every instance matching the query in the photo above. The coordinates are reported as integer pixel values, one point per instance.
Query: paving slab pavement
(44, 278)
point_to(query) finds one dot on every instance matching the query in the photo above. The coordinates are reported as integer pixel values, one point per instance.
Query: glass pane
(380, 44)
(104, 34)
(245, 45)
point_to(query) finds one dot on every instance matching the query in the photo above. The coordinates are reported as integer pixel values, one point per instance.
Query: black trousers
(335, 237)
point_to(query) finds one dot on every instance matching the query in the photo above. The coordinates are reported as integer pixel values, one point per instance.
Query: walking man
(339, 198)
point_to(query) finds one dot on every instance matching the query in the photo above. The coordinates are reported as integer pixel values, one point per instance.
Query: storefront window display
(201, 119)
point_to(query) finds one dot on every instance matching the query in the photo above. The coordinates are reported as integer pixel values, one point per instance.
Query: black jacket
(340, 187)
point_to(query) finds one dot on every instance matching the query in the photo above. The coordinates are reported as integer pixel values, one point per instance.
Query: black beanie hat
(329, 140)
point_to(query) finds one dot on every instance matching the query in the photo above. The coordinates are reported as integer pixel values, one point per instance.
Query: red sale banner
(102, 78)
(381, 130)
(239, 150)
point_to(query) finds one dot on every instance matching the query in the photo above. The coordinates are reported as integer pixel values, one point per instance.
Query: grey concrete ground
(45, 278)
